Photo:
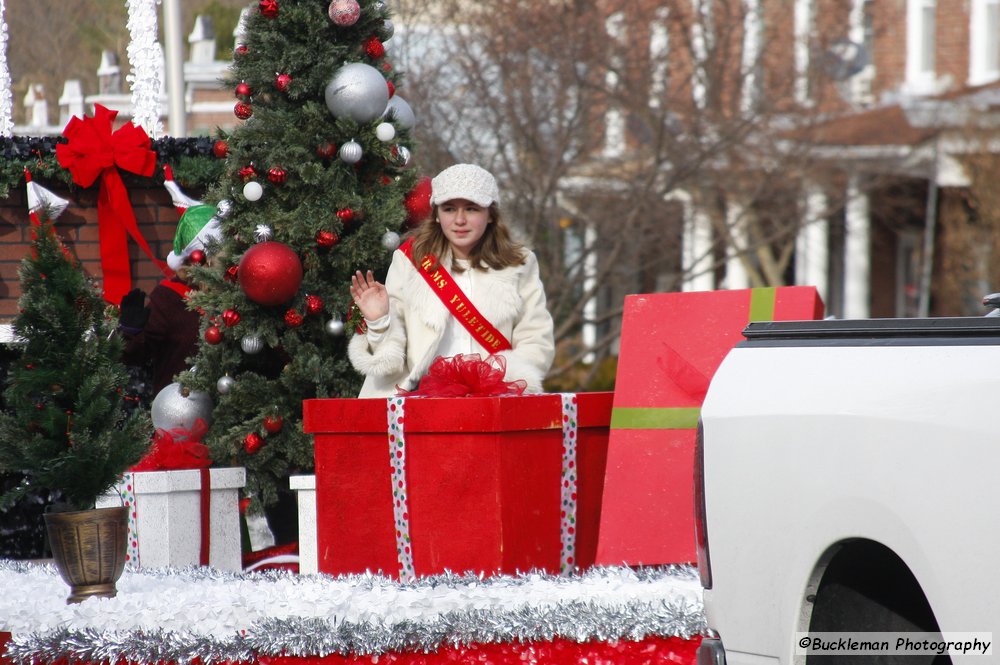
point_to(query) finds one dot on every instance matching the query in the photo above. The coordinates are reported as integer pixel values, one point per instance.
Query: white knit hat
(465, 181)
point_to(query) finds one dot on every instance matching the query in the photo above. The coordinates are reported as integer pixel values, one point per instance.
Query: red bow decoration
(467, 375)
(176, 449)
(93, 151)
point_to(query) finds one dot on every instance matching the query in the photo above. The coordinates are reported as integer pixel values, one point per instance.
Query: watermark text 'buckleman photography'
(895, 644)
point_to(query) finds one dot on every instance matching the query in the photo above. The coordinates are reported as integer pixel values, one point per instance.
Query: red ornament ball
(277, 175)
(252, 442)
(213, 335)
(345, 215)
(374, 48)
(326, 150)
(293, 319)
(242, 49)
(314, 304)
(270, 273)
(220, 149)
(418, 202)
(242, 89)
(269, 8)
(327, 238)
(248, 173)
(197, 257)
(344, 12)
(242, 110)
(282, 81)
(273, 424)
(230, 317)
(392, 88)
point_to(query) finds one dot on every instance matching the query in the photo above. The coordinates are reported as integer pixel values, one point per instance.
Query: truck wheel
(867, 588)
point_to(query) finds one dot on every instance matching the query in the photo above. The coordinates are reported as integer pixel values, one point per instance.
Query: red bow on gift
(177, 449)
(467, 375)
(93, 151)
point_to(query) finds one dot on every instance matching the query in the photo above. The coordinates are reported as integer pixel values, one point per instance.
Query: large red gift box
(671, 345)
(483, 475)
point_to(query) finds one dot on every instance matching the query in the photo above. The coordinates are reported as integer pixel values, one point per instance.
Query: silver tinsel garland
(384, 616)
(6, 86)
(146, 58)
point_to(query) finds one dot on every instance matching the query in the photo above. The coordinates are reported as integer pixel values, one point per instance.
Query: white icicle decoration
(6, 87)
(145, 56)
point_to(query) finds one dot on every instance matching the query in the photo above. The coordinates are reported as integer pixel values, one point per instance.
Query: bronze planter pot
(89, 547)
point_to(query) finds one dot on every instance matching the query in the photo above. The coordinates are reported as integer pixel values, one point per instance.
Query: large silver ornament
(176, 407)
(335, 327)
(351, 152)
(357, 91)
(400, 112)
(225, 384)
(251, 344)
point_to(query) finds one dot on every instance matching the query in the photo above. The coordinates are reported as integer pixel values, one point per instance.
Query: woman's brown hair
(496, 249)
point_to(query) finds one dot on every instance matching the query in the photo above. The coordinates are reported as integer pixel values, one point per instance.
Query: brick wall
(77, 226)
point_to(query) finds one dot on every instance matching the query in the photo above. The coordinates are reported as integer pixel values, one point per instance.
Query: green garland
(192, 160)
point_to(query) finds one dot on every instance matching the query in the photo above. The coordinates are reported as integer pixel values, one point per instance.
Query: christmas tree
(316, 188)
(65, 426)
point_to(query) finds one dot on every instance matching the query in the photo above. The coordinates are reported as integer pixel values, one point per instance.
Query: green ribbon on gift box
(762, 302)
(655, 418)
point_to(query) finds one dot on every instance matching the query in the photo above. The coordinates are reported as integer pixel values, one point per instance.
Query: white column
(697, 250)
(857, 252)
(736, 272)
(172, 33)
(803, 22)
(305, 495)
(589, 330)
(812, 249)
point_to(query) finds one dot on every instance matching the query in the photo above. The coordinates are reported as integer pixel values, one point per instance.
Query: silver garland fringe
(578, 620)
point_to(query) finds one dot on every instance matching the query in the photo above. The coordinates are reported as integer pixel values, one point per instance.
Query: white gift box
(165, 517)
(305, 494)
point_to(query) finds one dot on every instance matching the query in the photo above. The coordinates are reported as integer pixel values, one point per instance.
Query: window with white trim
(921, 43)
(984, 41)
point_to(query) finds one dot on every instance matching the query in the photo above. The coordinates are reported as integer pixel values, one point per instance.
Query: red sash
(444, 286)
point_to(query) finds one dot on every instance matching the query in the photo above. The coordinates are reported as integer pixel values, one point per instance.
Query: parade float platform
(205, 616)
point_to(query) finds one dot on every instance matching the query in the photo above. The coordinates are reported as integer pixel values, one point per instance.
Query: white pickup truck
(848, 480)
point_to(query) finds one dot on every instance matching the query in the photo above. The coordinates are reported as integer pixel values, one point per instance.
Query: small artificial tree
(317, 187)
(65, 426)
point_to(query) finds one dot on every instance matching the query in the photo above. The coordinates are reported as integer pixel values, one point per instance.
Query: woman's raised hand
(371, 297)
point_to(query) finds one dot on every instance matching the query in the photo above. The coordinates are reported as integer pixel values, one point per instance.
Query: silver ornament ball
(263, 233)
(335, 327)
(351, 152)
(176, 407)
(357, 91)
(390, 240)
(251, 344)
(388, 29)
(399, 110)
(225, 384)
(403, 155)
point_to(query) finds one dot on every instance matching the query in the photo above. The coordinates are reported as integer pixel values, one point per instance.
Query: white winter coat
(512, 299)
